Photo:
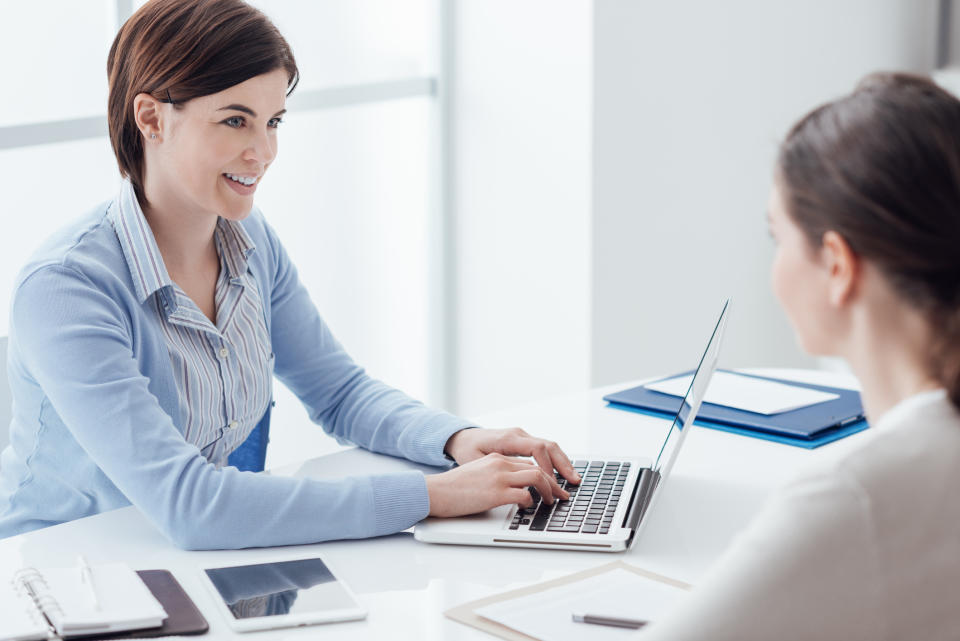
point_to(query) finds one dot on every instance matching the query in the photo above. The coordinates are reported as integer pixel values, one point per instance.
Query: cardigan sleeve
(338, 394)
(78, 346)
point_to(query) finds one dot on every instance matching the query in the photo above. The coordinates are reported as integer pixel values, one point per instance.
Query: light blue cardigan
(96, 421)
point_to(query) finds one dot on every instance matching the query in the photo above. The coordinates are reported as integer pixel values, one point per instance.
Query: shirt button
(224, 352)
(233, 425)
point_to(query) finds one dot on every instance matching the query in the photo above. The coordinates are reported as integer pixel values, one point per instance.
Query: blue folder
(808, 427)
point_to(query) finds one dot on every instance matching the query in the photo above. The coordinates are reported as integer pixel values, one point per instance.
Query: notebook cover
(811, 422)
(183, 617)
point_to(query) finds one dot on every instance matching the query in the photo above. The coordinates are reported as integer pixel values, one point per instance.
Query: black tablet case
(183, 617)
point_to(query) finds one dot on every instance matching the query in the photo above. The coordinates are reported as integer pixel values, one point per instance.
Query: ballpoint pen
(617, 622)
(86, 577)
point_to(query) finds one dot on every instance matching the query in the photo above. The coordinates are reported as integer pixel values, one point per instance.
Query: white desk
(717, 485)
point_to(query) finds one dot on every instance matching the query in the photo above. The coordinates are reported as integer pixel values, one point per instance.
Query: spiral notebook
(42, 604)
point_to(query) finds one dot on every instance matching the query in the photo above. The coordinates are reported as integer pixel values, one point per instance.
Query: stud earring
(153, 135)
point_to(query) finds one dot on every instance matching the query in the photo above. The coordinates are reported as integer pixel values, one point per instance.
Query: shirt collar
(138, 243)
(234, 245)
(143, 257)
(904, 412)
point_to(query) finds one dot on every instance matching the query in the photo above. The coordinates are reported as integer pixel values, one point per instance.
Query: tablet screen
(302, 586)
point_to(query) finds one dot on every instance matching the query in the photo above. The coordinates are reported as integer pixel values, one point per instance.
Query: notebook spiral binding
(30, 583)
(34, 613)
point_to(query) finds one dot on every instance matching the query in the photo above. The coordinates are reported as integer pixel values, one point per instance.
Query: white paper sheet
(747, 393)
(548, 615)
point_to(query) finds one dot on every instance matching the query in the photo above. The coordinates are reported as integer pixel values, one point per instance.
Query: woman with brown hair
(865, 212)
(144, 337)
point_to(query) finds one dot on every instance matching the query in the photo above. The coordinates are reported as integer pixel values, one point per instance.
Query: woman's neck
(184, 236)
(889, 355)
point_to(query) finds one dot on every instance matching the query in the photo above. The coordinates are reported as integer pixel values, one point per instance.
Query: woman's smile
(243, 185)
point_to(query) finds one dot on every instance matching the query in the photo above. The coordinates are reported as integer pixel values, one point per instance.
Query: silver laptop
(607, 511)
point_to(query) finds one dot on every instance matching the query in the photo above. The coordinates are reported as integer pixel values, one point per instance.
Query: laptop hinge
(641, 498)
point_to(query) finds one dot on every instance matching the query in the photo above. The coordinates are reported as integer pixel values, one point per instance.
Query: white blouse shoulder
(865, 547)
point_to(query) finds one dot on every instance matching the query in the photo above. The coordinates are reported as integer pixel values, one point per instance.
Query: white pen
(86, 576)
(617, 622)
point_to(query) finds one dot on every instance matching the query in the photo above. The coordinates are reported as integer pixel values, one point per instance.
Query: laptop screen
(691, 400)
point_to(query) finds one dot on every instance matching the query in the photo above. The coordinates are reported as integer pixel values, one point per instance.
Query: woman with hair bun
(865, 213)
(144, 337)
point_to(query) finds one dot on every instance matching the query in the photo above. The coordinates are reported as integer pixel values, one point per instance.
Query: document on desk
(547, 615)
(545, 611)
(747, 393)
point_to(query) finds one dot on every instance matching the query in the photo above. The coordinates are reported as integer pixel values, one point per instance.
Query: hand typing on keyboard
(590, 508)
(490, 474)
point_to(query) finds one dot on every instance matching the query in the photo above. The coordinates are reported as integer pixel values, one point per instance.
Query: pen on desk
(86, 576)
(617, 622)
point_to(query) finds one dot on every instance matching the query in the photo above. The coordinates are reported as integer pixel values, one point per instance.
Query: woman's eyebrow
(248, 110)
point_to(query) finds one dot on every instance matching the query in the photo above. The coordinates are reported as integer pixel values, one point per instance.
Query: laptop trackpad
(492, 520)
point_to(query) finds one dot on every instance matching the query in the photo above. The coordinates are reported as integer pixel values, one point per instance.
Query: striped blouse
(223, 371)
(98, 412)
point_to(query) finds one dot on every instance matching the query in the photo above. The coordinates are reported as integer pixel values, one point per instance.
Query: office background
(494, 202)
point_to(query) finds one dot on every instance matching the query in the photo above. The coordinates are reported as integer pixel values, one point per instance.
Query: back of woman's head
(881, 167)
(177, 50)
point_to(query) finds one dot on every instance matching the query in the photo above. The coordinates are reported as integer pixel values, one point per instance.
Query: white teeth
(241, 179)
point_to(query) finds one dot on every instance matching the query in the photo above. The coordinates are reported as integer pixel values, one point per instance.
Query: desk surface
(718, 483)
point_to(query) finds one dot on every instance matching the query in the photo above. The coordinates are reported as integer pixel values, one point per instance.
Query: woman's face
(800, 281)
(212, 145)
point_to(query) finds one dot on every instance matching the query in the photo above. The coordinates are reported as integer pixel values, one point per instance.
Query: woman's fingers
(533, 477)
(542, 455)
(519, 495)
(562, 463)
(489, 482)
(519, 465)
(547, 454)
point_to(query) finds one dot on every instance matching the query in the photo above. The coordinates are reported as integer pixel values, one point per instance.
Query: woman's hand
(473, 443)
(489, 476)
(488, 482)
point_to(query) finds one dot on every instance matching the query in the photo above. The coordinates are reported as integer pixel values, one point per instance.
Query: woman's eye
(274, 122)
(236, 122)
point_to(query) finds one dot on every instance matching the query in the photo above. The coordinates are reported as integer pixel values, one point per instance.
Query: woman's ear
(843, 268)
(148, 115)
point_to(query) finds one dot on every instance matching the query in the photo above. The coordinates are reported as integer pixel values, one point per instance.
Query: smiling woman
(203, 157)
(147, 61)
(215, 145)
(145, 336)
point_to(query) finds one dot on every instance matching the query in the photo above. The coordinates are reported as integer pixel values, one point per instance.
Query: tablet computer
(281, 594)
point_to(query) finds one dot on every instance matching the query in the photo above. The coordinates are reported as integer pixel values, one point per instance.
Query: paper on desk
(747, 393)
(548, 615)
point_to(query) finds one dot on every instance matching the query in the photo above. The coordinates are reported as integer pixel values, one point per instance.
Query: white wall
(521, 74)
(690, 100)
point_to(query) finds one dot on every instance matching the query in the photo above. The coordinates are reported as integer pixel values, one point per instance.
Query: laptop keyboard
(590, 507)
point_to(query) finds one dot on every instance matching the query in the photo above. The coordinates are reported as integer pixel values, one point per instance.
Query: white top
(863, 547)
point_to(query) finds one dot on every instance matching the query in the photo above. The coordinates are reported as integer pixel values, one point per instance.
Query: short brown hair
(881, 167)
(177, 50)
